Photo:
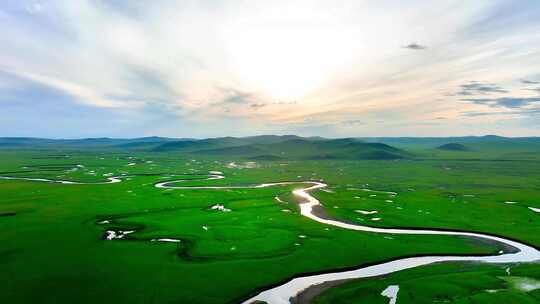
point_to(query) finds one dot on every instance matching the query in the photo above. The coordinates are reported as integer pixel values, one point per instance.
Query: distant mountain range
(274, 147)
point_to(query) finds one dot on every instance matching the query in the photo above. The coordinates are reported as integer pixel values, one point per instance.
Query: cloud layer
(216, 68)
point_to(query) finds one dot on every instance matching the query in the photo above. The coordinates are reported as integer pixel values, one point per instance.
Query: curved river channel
(110, 180)
(282, 294)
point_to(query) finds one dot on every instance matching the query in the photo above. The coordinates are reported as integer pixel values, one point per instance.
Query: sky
(210, 68)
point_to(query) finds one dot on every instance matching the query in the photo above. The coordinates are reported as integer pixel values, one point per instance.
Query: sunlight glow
(287, 58)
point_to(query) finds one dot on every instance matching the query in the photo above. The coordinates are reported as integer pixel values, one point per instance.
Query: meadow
(181, 250)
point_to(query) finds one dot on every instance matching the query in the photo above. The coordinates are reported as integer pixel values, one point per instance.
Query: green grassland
(444, 283)
(53, 249)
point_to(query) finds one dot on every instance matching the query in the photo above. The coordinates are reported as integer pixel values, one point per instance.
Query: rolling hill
(299, 148)
(453, 147)
(280, 147)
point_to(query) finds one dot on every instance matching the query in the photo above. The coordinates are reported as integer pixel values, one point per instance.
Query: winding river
(110, 180)
(283, 293)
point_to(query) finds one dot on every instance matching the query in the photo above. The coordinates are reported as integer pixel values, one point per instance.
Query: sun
(285, 59)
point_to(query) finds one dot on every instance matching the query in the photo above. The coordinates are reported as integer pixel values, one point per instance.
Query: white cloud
(297, 58)
(34, 8)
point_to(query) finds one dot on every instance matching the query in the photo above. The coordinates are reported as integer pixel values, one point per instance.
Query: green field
(53, 248)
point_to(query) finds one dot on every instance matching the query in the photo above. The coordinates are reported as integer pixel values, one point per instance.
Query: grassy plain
(53, 249)
(456, 283)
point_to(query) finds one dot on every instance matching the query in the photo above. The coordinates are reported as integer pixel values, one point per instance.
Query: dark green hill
(298, 148)
(277, 147)
(138, 145)
(184, 145)
(361, 150)
(453, 147)
(221, 142)
(269, 139)
(247, 150)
